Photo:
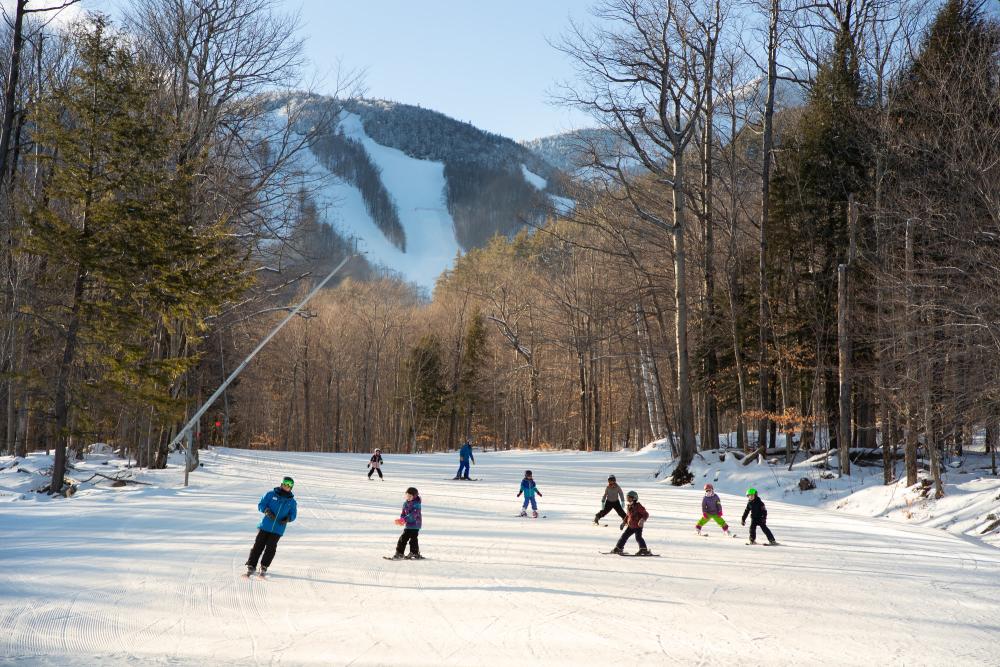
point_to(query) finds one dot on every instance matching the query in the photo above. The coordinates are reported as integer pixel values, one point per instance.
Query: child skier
(279, 508)
(711, 508)
(529, 489)
(635, 519)
(611, 500)
(411, 520)
(375, 463)
(758, 517)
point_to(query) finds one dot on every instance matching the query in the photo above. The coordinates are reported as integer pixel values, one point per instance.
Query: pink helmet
(709, 487)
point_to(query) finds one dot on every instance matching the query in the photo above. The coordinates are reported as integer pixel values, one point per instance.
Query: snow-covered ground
(150, 574)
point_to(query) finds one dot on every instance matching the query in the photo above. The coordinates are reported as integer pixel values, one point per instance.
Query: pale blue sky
(475, 60)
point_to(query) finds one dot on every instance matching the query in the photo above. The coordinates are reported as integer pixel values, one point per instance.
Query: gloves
(704, 516)
(269, 514)
(743, 522)
(720, 511)
(539, 493)
(399, 522)
(284, 521)
(622, 526)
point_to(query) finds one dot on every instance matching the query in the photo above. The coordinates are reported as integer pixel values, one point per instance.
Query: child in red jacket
(635, 519)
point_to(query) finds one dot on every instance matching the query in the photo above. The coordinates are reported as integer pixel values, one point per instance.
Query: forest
(733, 270)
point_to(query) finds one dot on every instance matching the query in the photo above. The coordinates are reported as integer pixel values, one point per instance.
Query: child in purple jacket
(711, 508)
(411, 520)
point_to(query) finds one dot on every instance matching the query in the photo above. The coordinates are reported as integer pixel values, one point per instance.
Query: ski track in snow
(153, 576)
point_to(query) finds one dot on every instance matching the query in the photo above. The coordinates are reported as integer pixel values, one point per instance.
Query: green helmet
(632, 495)
(751, 491)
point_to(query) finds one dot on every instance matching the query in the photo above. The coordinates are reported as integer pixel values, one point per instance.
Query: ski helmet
(751, 491)
(611, 478)
(527, 473)
(413, 491)
(288, 481)
(709, 487)
(632, 495)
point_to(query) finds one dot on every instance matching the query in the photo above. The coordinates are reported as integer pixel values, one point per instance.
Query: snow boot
(618, 550)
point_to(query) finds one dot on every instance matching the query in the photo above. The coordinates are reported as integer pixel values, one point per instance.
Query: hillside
(416, 186)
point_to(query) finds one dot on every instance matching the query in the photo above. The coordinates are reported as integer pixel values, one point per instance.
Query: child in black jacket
(758, 517)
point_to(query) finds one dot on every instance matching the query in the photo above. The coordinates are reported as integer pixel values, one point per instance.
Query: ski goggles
(288, 482)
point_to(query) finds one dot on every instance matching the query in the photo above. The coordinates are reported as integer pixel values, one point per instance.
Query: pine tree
(108, 224)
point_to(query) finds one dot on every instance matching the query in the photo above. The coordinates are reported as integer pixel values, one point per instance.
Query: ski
(405, 558)
(462, 479)
(527, 516)
(612, 553)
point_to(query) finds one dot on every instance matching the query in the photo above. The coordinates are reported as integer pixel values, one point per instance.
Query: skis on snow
(612, 553)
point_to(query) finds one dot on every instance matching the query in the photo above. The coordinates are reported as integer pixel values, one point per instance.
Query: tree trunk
(844, 353)
(62, 384)
(681, 475)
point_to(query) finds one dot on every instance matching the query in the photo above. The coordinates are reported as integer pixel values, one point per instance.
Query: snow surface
(418, 189)
(151, 574)
(534, 179)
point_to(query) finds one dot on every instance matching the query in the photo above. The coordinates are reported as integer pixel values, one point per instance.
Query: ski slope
(151, 575)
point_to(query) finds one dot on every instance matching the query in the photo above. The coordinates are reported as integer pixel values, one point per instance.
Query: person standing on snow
(711, 508)
(611, 500)
(375, 463)
(635, 519)
(280, 509)
(758, 517)
(411, 519)
(529, 489)
(464, 457)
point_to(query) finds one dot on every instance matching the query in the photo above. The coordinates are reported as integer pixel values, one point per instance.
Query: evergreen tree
(819, 167)
(426, 374)
(108, 225)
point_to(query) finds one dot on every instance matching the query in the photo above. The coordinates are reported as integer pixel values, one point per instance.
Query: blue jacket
(411, 514)
(282, 505)
(528, 488)
(465, 453)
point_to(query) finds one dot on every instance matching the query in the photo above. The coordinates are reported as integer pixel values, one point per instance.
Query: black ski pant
(409, 535)
(266, 543)
(629, 532)
(373, 471)
(616, 506)
(762, 524)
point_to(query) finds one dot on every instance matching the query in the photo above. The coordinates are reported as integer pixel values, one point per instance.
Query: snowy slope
(417, 187)
(151, 574)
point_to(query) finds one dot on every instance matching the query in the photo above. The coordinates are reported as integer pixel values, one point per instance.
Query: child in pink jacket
(711, 508)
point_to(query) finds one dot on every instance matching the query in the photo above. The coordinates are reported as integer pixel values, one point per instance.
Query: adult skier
(280, 509)
(464, 457)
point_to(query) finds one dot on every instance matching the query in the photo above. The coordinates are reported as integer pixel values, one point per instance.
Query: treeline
(147, 202)
(828, 272)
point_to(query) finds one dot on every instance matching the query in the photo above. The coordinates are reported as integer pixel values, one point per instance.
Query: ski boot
(596, 521)
(618, 550)
(523, 513)
(643, 552)
(750, 542)
(414, 556)
(251, 570)
(534, 514)
(398, 556)
(263, 572)
(697, 529)
(772, 542)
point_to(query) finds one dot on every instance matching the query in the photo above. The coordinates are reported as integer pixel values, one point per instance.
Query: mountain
(416, 186)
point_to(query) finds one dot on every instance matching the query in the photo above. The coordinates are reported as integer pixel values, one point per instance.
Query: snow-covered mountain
(415, 186)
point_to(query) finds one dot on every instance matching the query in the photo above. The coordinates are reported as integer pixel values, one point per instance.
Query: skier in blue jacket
(279, 508)
(529, 489)
(464, 457)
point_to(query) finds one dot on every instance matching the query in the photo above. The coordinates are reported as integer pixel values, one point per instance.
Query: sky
(484, 62)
